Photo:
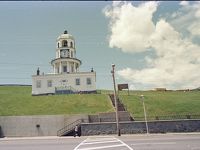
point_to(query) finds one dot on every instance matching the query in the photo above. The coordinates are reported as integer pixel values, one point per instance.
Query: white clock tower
(66, 77)
(66, 61)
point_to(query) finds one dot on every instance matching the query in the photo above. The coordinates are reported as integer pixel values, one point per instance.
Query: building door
(64, 68)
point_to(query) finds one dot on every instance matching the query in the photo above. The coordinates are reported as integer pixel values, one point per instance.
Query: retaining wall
(110, 117)
(25, 126)
(140, 127)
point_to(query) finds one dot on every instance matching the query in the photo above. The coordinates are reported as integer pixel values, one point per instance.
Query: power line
(30, 64)
(8, 63)
(22, 77)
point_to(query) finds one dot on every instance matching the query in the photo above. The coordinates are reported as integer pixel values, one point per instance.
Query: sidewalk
(37, 138)
(112, 135)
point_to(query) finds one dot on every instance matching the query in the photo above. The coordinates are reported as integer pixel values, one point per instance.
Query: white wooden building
(66, 77)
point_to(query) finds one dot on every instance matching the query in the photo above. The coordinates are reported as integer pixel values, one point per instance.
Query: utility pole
(145, 115)
(115, 98)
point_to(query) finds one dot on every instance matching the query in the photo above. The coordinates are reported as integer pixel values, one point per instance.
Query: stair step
(121, 106)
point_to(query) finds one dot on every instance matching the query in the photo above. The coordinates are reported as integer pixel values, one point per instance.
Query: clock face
(64, 52)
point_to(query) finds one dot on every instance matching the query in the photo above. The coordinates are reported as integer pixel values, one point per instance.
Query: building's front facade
(66, 77)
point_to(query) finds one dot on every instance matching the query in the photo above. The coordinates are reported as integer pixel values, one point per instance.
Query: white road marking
(76, 148)
(102, 147)
(125, 144)
(101, 140)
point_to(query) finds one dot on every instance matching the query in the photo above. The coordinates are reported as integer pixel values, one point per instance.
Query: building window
(58, 45)
(64, 68)
(68, 53)
(77, 81)
(89, 82)
(38, 84)
(71, 45)
(65, 44)
(49, 83)
(72, 54)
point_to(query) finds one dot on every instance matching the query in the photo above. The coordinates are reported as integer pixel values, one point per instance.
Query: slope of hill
(17, 100)
(162, 103)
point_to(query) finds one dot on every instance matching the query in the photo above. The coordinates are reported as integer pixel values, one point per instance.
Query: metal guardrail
(96, 119)
(66, 90)
(169, 117)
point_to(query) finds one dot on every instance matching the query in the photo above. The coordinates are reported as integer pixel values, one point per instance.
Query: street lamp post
(145, 115)
(115, 98)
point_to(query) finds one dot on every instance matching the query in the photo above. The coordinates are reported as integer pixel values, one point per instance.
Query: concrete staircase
(69, 129)
(121, 106)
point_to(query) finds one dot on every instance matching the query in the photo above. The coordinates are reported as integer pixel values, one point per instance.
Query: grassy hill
(17, 100)
(162, 103)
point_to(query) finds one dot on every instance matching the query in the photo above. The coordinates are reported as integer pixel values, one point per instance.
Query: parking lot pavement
(109, 143)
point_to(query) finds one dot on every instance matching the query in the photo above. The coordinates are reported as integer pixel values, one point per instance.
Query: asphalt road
(125, 142)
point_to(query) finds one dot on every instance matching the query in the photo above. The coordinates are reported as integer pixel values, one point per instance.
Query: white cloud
(188, 19)
(184, 3)
(127, 26)
(177, 61)
(194, 28)
(132, 87)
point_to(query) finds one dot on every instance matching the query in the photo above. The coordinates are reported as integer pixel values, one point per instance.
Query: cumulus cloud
(188, 18)
(177, 60)
(125, 29)
(194, 28)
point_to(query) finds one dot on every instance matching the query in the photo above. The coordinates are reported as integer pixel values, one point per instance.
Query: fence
(169, 117)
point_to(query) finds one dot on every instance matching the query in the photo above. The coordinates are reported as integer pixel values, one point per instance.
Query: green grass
(17, 100)
(162, 103)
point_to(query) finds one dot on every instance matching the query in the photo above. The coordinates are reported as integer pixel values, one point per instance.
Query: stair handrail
(69, 127)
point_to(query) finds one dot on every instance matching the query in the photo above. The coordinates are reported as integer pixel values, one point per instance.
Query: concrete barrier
(26, 126)
(48, 125)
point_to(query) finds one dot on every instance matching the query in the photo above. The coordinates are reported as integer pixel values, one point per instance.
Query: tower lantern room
(65, 61)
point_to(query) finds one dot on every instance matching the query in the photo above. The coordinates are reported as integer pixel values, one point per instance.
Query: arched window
(58, 45)
(65, 44)
(71, 44)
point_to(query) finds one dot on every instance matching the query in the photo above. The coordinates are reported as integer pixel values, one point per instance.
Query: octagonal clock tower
(65, 61)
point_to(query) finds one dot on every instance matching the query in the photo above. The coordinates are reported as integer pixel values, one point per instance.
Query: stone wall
(140, 127)
(25, 126)
(110, 117)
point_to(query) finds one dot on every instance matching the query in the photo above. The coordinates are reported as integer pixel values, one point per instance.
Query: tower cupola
(65, 61)
(65, 32)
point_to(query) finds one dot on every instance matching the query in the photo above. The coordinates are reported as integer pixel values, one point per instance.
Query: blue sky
(105, 33)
